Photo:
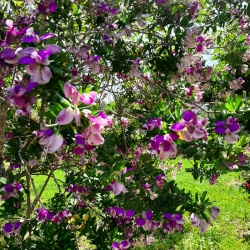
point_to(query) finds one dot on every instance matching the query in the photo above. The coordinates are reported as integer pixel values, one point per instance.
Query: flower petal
(220, 130)
(188, 115)
(31, 86)
(231, 138)
(55, 142)
(65, 116)
(46, 36)
(26, 60)
(95, 139)
(177, 127)
(140, 222)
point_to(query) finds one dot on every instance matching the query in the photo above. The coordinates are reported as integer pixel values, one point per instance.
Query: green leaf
(64, 102)
(120, 165)
(55, 108)
(247, 73)
(3, 180)
(75, 8)
(113, 233)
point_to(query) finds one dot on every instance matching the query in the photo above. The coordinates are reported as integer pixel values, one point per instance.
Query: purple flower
(213, 179)
(47, 6)
(190, 127)
(164, 146)
(175, 221)
(197, 221)
(146, 221)
(10, 190)
(120, 215)
(118, 188)
(13, 166)
(215, 211)
(242, 159)
(229, 128)
(160, 180)
(8, 135)
(121, 245)
(153, 123)
(10, 228)
(32, 37)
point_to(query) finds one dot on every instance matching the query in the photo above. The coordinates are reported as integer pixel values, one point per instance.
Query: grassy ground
(231, 231)
(51, 187)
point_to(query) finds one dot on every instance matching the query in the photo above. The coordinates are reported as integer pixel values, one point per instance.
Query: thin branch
(36, 200)
(27, 170)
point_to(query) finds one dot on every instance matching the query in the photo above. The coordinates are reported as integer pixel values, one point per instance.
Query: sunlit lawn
(230, 231)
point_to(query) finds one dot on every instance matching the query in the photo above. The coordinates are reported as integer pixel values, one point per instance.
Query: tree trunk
(3, 113)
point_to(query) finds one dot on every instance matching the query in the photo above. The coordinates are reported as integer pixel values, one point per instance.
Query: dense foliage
(116, 94)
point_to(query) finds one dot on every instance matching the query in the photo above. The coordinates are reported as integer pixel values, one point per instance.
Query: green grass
(51, 187)
(231, 230)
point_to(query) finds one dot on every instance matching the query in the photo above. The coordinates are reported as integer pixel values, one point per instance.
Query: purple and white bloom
(51, 142)
(13, 34)
(164, 146)
(44, 215)
(118, 188)
(37, 64)
(229, 128)
(11, 56)
(134, 72)
(32, 36)
(213, 179)
(121, 215)
(67, 115)
(242, 159)
(91, 136)
(18, 96)
(89, 98)
(146, 221)
(197, 221)
(10, 190)
(190, 127)
(124, 121)
(121, 245)
(58, 218)
(77, 190)
(13, 166)
(215, 211)
(203, 226)
(175, 221)
(10, 228)
(153, 123)
(160, 179)
(232, 165)
(236, 83)
(47, 6)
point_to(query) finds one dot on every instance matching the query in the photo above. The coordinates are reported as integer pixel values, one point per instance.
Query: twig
(36, 200)
(27, 170)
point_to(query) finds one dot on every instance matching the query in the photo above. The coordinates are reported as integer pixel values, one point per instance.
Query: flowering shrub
(115, 95)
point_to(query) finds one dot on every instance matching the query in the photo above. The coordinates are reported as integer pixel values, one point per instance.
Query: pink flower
(196, 221)
(153, 123)
(52, 142)
(164, 146)
(65, 116)
(88, 98)
(190, 127)
(215, 211)
(118, 188)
